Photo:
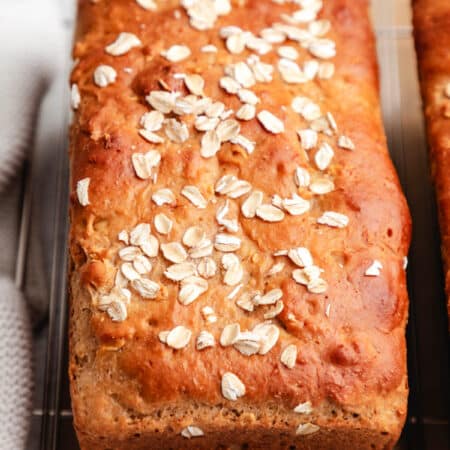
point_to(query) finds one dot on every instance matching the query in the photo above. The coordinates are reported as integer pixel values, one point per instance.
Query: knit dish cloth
(31, 36)
(15, 367)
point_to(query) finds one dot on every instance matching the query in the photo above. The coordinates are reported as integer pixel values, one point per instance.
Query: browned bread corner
(238, 232)
(432, 37)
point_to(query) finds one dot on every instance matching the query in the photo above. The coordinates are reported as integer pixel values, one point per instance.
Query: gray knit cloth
(15, 367)
(31, 36)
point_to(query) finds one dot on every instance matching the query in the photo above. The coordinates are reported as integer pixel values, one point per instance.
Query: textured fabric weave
(15, 367)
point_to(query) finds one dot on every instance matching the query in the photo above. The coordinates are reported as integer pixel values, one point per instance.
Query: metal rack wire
(427, 427)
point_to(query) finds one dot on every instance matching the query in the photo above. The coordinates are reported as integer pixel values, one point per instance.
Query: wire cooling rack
(427, 424)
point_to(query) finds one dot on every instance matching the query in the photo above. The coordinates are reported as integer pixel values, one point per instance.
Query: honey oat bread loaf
(238, 232)
(432, 37)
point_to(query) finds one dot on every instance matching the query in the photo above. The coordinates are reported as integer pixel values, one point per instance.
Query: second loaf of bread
(432, 38)
(238, 232)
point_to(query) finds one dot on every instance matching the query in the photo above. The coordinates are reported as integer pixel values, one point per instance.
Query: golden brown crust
(432, 37)
(125, 383)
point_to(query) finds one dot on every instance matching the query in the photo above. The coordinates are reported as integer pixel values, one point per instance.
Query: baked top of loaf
(250, 163)
(432, 37)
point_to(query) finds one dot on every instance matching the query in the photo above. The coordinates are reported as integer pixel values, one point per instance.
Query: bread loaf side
(432, 37)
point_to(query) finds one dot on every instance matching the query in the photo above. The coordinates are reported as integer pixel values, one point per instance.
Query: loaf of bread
(238, 232)
(432, 37)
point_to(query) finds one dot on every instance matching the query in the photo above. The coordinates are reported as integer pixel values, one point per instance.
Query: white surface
(31, 53)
